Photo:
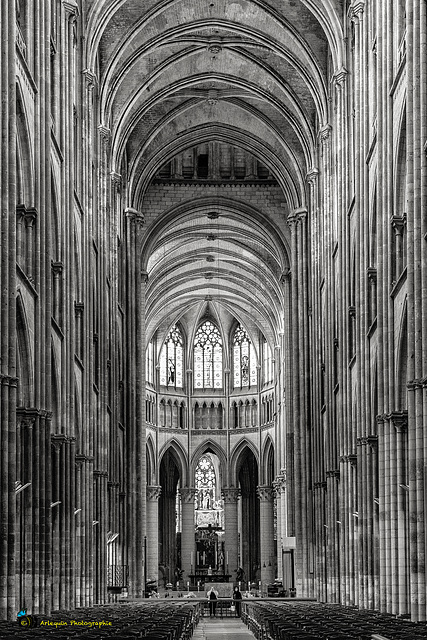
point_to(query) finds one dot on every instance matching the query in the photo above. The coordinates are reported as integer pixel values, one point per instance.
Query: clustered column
(231, 540)
(266, 520)
(152, 559)
(188, 539)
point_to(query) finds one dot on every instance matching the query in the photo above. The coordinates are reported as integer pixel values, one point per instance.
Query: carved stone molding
(153, 493)
(265, 493)
(57, 440)
(312, 176)
(188, 494)
(134, 216)
(297, 216)
(230, 495)
(340, 77)
(325, 133)
(90, 78)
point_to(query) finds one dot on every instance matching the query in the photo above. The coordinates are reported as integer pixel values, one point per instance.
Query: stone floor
(222, 629)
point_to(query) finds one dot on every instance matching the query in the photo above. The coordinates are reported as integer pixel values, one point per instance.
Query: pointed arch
(402, 362)
(208, 446)
(25, 371)
(152, 470)
(175, 449)
(24, 160)
(237, 458)
(268, 461)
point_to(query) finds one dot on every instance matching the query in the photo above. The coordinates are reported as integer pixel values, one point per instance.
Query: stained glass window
(171, 359)
(205, 482)
(208, 357)
(244, 360)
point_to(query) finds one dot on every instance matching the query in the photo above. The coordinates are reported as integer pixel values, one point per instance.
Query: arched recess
(247, 479)
(151, 462)
(24, 360)
(402, 363)
(236, 458)
(171, 471)
(209, 446)
(24, 158)
(268, 462)
(56, 394)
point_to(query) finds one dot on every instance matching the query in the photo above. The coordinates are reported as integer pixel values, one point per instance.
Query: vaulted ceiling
(252, 73)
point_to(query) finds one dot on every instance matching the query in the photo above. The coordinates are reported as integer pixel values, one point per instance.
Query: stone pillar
(281, 518)
(266, 519)
(152, 558)
(188, 540)
(231, 539)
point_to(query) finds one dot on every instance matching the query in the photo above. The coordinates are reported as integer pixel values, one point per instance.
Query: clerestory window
(244, 360)
(208, 357)
(171, 359)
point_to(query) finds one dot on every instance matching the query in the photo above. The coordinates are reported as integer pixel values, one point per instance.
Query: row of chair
(127, 621)
(310, 620)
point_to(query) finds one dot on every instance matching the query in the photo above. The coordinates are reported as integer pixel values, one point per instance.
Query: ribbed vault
(174, 75)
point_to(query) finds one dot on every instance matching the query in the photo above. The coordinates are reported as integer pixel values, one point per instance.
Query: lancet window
(208, 357)
(244, 359)
(171, 359)
(205, 481)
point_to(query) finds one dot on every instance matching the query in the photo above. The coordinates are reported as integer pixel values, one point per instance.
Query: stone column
(266, 519)
(152, 558)
(188, 540)
(281, 518)
(231, 539)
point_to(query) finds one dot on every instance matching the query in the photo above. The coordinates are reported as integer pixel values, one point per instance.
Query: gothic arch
(268, 461)
(180, 457)
(24, 160)
(152, 471)
(212, 447)
(24, 357)
(237, 457)
(402, 362)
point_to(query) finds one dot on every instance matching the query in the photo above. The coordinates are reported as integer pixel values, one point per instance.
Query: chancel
(213, 319)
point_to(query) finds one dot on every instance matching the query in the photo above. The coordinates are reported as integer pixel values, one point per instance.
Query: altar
(200, 578)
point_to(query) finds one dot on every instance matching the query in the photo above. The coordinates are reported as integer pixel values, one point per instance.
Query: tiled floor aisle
(222, 629)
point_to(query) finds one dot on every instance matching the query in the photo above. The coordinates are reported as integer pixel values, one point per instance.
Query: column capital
(188, 494)
(297, 215)
(230, 495)
(57, 440)
(116, 179)
(71, 8)
(265, 493)
(312, 176)
(79, 308)
(325, 133)
(356, 10)
(339, 78)
(104, 134)
(134, 216)
(57, 268)
(90, 78)
(398, 223)
(30, 216)
(153, 493)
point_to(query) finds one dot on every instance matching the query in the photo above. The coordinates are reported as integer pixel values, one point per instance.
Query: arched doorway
(249, 516)
(169, 517)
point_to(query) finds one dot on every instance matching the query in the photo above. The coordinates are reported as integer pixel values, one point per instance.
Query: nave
(263, 619)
